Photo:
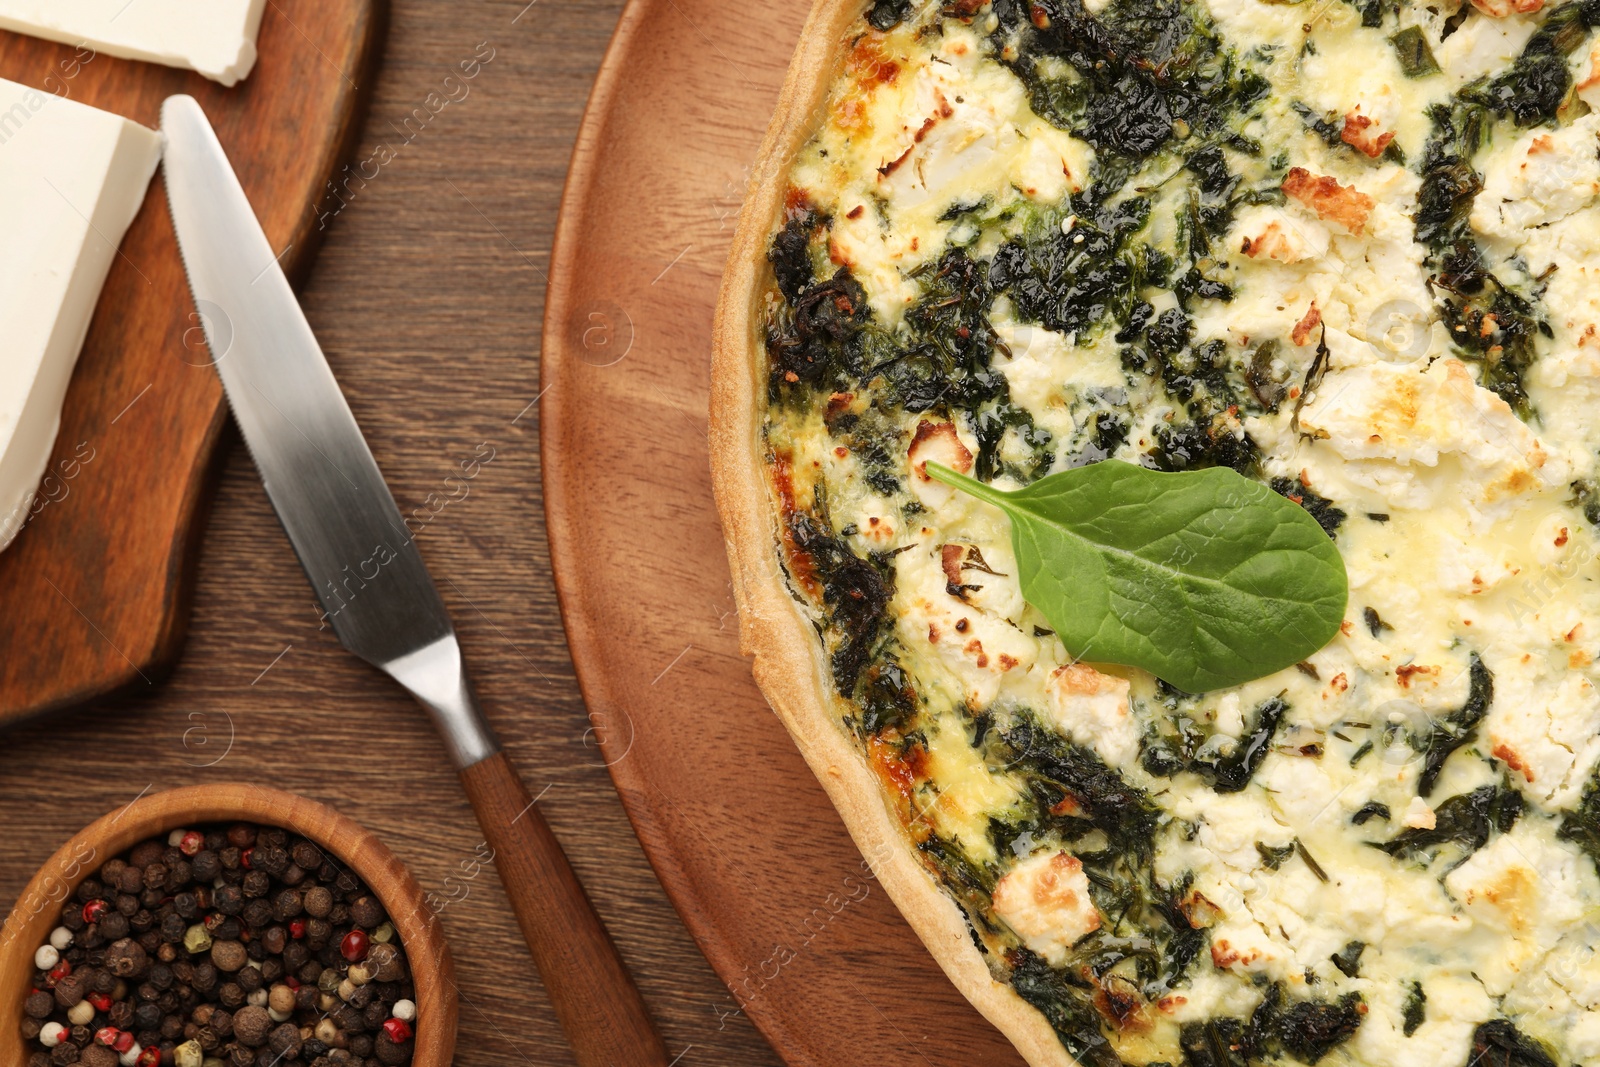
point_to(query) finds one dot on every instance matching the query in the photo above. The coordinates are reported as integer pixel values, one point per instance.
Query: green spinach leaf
(1204, 578)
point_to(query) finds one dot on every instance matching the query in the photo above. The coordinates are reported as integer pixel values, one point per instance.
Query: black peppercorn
(228, 900)
(366, 912)
(38, 1004)
(127, 959)
(256, 912)
(295, 955)
(274, 939)
(146, 1016)
(256, 883)
(269, 859)
(113, 926)
(285, 1040)
(391, 1054)
(287, 904)
(317, 901)
(251, 1024)
(205, 866)
(318, 931)
(70, 990)
(306, 855)
(173, 927)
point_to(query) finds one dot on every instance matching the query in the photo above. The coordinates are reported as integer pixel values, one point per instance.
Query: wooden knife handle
(595, 999)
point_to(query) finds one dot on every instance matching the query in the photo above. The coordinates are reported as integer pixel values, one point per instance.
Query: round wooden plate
(740, 833)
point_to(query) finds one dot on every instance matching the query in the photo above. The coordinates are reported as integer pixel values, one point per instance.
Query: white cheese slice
(215, 37)
(71, 180)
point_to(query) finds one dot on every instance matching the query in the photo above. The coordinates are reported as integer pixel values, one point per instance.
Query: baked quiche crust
(789, 665)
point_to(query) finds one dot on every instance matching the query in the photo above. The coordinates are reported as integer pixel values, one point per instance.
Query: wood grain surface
(96, 587)
(427, 296)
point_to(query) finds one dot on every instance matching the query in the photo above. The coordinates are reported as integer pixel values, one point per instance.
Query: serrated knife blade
(369, 576)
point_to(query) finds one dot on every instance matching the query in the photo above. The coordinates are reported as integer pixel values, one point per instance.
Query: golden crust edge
(786, 663)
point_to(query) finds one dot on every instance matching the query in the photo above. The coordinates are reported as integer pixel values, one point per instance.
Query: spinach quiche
(1348, 252)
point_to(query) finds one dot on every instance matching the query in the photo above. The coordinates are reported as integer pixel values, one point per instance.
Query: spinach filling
(1305, 1029)
(1491, 321)
(1182, 743)
(1443, 736)
(1464, 823)
(855, 593)
(1148, 943)
(1498, 1043)
(1137, 76)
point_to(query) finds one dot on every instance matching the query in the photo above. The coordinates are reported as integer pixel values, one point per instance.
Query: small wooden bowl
(38, 910)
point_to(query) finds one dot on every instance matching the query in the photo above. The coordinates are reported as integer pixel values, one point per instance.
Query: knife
(339, 515)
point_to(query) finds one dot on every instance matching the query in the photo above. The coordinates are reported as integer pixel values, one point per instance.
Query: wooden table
(427, 297)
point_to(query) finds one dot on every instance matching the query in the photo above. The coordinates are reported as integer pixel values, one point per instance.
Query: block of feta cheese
(71, 180)
(215, 37)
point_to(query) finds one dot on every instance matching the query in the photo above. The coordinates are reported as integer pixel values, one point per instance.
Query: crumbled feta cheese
(1092, 709)
(1045, 899)
(1419, 815)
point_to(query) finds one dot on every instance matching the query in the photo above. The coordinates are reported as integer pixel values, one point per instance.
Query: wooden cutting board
(94, 592)
(742, 837)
